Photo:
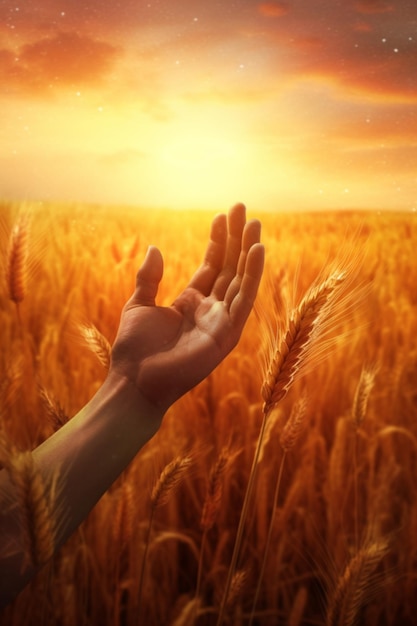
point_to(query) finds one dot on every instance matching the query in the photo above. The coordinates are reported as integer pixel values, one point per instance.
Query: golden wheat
(213, 498)
(286, 360)
(170, 478)
(17, 258)
(97, 343)
(36, 517)
(294, 425)
(314, 525)
(362, 393)
(55, 412)
(355, 585)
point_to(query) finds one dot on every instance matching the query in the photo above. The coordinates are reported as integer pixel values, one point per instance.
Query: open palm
(165, 351)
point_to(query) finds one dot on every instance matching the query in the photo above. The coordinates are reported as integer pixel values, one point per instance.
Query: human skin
(159, 354)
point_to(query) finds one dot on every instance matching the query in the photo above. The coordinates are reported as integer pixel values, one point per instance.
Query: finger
(236, 224)
(148, 278)
(243, 302)
(204, 278)
(251, 236)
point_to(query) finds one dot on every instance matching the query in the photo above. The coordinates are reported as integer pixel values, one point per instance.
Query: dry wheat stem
(354, 584)
(303, 327)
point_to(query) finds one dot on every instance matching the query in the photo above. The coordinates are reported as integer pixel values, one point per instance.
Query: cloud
(58, 61)
(373, 7)
(273, 8)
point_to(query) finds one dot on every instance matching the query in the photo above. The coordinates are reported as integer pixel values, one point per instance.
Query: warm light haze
(194, 104)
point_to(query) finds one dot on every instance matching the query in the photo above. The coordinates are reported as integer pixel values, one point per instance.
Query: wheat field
(327, 530)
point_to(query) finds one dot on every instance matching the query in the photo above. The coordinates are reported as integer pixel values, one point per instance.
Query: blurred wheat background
(327, 531)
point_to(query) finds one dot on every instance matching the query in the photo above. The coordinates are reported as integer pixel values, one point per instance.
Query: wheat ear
(237, 587)
(54, 410)
(362, 393)
(302, 328)
(354, 585)
(214, 493)
(211, 507)
(97, 343)
(169, 479)
(37, 521)
(17, 260)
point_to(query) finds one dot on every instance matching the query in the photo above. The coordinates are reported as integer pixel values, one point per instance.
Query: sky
(283, 105)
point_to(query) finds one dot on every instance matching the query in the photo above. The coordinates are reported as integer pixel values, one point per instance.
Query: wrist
(127, 402)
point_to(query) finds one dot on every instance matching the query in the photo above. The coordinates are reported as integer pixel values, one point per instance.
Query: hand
(165, 351)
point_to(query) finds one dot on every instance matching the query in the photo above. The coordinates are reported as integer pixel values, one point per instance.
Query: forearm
(80, 461)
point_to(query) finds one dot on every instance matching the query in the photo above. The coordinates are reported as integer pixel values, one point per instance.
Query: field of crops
(329, 535)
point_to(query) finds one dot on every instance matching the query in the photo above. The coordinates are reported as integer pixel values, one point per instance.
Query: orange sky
(302, 104)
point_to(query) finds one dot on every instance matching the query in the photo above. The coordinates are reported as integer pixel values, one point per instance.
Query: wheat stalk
(355, 583)
(288, 438)
(303, 329)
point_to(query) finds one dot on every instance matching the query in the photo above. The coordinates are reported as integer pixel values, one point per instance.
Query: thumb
(148, 278)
